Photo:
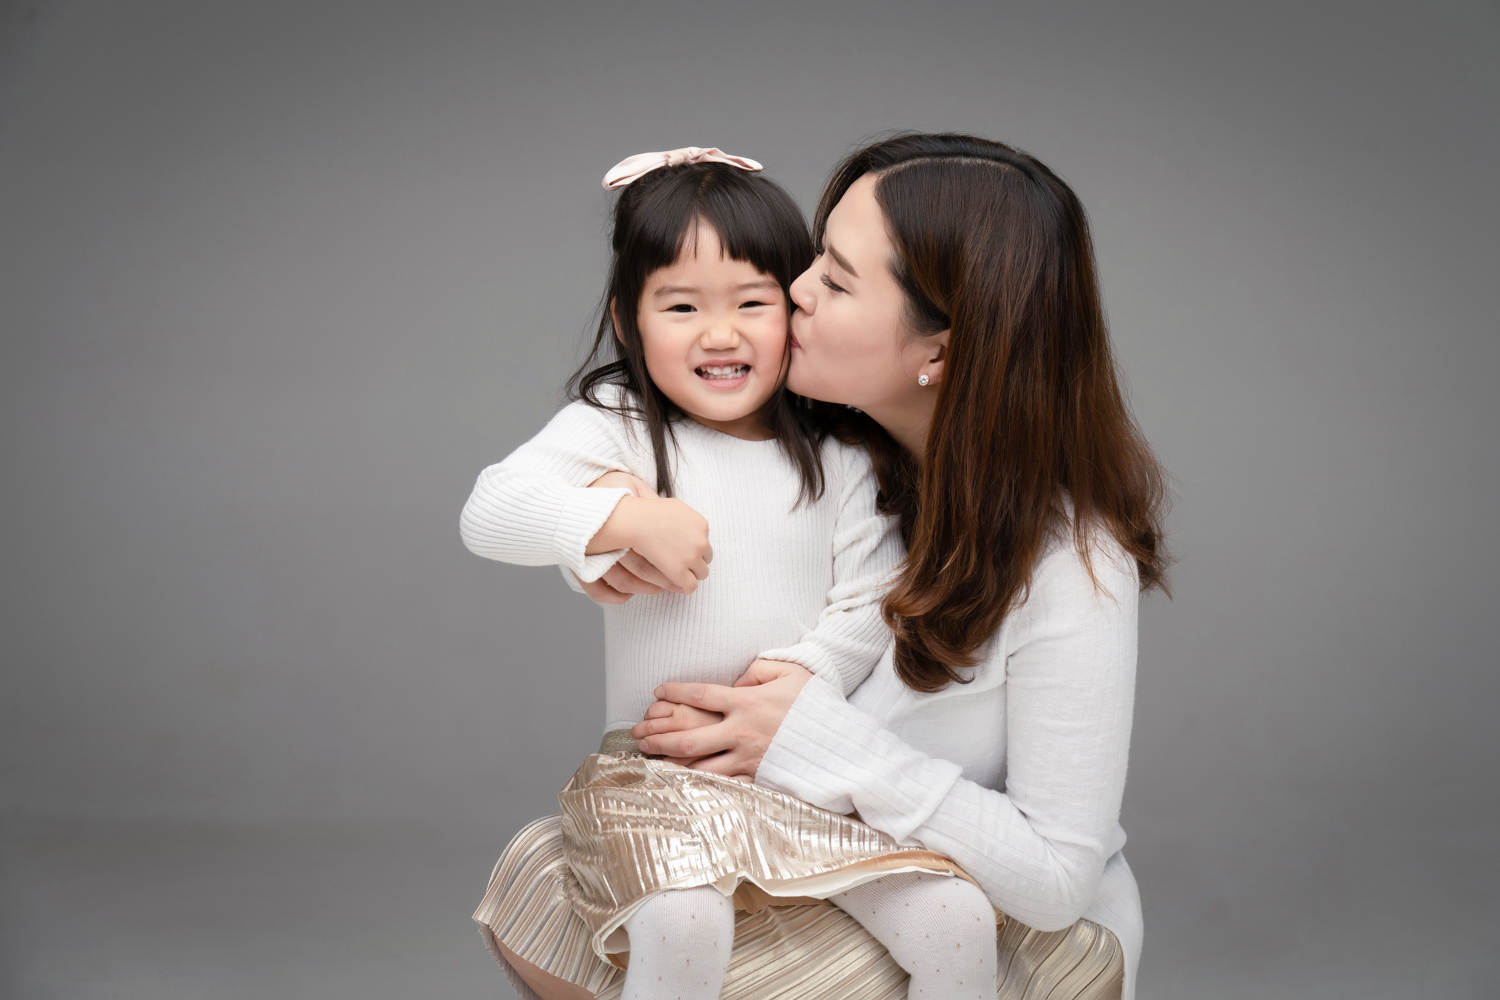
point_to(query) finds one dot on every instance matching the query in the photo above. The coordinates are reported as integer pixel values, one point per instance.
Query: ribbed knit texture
(1017, 775)
(789, 581)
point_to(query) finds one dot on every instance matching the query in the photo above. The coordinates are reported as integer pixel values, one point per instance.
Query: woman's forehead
(856, 226)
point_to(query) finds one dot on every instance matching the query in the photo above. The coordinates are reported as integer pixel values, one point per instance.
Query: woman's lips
(793, 337)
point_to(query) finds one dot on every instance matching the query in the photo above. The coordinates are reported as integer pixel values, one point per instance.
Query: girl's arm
(850, 635)
(536, 507)
(1038, 847)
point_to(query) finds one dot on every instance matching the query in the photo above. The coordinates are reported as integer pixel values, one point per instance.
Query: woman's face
(850, 342)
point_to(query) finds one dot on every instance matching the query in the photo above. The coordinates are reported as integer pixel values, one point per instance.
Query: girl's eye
(828, 282)
(681, 307)
(753, 304)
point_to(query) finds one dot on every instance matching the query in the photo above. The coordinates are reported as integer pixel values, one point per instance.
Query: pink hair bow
(633, 168)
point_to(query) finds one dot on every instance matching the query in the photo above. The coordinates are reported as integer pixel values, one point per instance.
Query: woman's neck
(908, 421)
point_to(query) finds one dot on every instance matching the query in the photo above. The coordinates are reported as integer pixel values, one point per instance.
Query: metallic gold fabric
(815, 952)
(633, 826)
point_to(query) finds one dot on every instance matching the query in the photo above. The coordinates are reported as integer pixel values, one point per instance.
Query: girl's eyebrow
(838, 259)
(690, 290)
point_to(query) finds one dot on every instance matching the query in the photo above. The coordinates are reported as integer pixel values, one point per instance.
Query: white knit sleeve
(1038, 846)
(850, 635)
(536, 508)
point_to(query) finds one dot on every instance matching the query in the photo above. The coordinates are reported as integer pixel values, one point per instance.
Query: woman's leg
(680, 943)
(940, 929)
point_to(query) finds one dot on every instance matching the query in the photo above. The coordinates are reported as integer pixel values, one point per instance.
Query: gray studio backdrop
(277, 279)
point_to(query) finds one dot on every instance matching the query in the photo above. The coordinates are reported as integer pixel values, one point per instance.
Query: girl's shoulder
(845, 464)
(611, 414)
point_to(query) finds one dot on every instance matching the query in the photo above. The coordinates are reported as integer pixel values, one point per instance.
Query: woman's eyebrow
(838, 259)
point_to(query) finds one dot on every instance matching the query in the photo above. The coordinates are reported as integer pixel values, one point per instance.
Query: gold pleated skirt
(813, 951)
(634, 826)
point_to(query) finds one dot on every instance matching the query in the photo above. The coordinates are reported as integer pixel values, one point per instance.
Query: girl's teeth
(723, 371)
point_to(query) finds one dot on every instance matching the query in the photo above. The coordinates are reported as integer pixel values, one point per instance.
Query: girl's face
(714, 334)
(850, 342)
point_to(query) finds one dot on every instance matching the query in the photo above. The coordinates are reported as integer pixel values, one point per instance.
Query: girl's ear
(614, 321)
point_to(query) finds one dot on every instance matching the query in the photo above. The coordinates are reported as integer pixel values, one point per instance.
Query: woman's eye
(828, 282)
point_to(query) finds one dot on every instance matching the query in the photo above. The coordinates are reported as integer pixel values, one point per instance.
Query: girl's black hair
(654, 218)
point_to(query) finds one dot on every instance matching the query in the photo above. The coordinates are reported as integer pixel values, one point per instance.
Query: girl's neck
(750, 427)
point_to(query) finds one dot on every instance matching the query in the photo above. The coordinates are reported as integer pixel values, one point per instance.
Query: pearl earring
(922, 380)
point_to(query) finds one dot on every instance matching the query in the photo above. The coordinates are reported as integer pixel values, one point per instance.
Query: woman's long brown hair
(1031, 434)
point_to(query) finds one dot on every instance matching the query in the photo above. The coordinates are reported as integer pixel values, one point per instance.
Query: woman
(954, 303)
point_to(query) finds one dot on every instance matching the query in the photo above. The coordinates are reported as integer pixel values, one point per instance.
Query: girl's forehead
(707, 263)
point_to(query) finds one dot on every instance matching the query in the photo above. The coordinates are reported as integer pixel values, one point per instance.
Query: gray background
(277, 279)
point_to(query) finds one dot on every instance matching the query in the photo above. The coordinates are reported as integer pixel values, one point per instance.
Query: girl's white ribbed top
(789, 581)
(1017, 775)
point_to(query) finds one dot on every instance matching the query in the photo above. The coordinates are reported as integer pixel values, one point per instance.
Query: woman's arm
(1038, 846)
(851, 635)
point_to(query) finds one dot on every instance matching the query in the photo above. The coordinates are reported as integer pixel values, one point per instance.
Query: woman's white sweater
(1016, 775)
(791, 581)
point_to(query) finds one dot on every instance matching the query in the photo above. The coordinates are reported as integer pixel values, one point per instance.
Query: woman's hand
(752, 711)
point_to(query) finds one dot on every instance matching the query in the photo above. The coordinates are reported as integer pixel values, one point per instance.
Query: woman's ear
(614, 320)
(936, 347)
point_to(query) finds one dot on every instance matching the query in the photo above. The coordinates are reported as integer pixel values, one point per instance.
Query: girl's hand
(752, 711)
(625, 481)
(666, 533)
(634, 573)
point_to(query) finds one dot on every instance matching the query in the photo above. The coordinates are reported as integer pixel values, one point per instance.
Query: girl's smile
(714, 333)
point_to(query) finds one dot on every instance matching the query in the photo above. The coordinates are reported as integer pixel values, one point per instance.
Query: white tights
(680, 942)
(941, 930)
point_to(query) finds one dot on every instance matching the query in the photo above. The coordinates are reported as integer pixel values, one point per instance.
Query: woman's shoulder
(1082, 569)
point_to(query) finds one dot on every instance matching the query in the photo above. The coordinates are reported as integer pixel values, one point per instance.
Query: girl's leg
(680, 942)
(940, 929)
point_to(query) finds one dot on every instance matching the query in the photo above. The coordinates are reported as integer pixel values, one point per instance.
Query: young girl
(696, 314)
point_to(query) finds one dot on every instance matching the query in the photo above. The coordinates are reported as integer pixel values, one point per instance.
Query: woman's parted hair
(1030, 419)
(655, 220)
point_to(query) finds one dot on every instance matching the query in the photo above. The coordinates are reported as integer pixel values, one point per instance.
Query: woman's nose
(802, 293)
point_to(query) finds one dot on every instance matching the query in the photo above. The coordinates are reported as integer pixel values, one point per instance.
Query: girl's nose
(720, 336)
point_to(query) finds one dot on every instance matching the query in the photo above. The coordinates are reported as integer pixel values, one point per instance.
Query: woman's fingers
(730, 765)
(710, 697)
(700, 742)
(600, 592)
(626, 582)
(640, 567)
(680, 719)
